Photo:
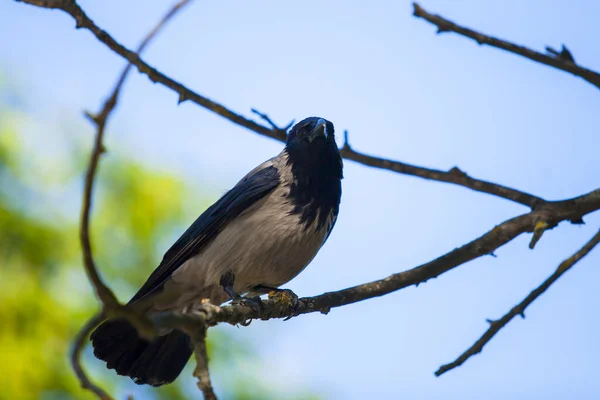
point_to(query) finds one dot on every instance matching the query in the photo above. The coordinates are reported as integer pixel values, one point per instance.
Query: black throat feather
(317, 187)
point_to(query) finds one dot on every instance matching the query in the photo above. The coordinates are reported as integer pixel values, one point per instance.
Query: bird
(255, 238)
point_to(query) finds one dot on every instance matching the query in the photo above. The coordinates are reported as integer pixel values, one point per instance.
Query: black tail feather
(151, 363)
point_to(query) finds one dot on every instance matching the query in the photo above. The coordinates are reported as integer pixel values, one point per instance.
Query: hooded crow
(260, 234)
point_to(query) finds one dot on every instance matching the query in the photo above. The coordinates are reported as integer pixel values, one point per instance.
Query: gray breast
(266, 245)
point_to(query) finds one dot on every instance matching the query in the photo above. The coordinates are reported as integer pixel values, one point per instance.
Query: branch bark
(110, 305)
(563, 63)
(454, 176)
(201, 371)
(519, 309)
(552, 213)
(77, 348)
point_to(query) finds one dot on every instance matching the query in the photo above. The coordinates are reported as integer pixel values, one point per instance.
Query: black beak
(320, 130)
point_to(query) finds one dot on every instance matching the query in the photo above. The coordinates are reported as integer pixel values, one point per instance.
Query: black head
(312, 150)
(309, 130)
(311, 145)
(317, 168)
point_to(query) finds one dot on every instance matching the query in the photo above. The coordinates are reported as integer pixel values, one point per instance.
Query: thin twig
(563, 54)
(519, 309)
(269, 121)
(562, 63)
(538, 230)
(201, 371)
(110, 103)
(110, 305)
(454, 176)
(108, 299)
(77, 348)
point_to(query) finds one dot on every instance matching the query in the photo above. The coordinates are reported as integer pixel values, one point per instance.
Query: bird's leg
(283, 296)
(226, 282)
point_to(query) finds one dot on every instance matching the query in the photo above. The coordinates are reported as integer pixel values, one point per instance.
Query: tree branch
(201, 371)
(77, 348)
(565, 62)
(454, 176)
(552, 213)
(519, 309)
(110, 305)
(273, 125)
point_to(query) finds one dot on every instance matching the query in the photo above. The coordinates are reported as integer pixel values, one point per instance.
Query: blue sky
(403, 93)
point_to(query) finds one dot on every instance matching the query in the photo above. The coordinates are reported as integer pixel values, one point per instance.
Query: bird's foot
(255, 303)
(288, 299)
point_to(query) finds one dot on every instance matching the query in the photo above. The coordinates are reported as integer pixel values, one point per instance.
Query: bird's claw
(255, 303)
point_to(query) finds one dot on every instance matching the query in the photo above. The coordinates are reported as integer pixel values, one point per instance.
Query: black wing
(208, 225)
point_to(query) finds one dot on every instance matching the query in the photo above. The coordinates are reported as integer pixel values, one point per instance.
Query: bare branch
(564, 54)
(269, 121)
(201, 371)
(454, 176)
(552, 213)
(519, 309)
(111, 102)
(565, 62)
(76, 350)
(110, 304)
(538, 230)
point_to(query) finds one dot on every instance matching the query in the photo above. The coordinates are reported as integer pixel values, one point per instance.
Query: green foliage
(35, 258)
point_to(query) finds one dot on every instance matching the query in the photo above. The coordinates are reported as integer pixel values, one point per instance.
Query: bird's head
(311, 133)
(312, 150)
